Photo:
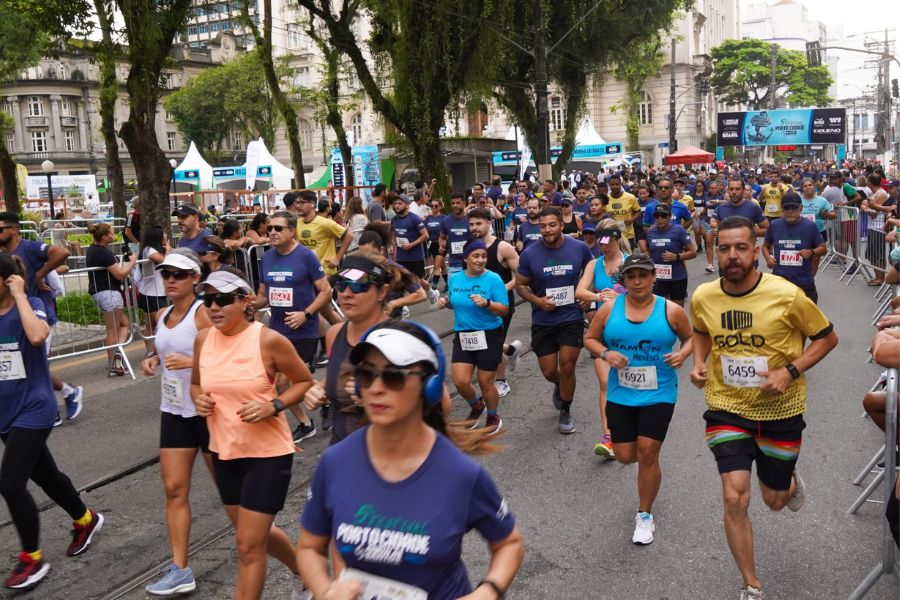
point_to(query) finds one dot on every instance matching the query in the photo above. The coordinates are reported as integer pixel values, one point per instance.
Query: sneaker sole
(305, 437)
(504, 394)
(79, 405)
(179, 589)
(32, 580)
(497, 430)
(636, 543)
(603, 451)
(87, 542)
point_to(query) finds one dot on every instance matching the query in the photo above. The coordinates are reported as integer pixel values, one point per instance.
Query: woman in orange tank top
(233, 386)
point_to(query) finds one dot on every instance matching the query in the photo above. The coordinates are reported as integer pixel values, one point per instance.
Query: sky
(856, 18)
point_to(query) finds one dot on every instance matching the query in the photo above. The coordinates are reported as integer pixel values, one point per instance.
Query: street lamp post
(47, 167)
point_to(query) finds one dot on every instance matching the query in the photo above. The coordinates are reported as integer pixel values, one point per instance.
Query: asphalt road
(575, 511)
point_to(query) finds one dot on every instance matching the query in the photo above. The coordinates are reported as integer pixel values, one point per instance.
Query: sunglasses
(394, 378)
(664, 187)
(277, 228)
(220, 299)
(176, 275)
(660, 215)
(357, 287)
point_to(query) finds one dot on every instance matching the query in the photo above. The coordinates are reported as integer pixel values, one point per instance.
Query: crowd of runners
(326, 337)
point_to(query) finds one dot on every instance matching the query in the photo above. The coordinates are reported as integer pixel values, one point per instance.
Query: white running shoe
(502, 388)
(751, 593)
(298, 592)
(643, 529)
(433, 296)
(799, 496)
(513, 359)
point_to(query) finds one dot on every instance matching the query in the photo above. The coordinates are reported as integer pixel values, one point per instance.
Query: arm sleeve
(337, 229)
(316, 517)
(105, 258)
(488, 511)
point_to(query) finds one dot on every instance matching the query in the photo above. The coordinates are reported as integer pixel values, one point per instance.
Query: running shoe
(118, 368)
(475, 412)
(557, 399)
(73, 402)
(304, 432)
(710, 269)
(751, 593)
(27, 572)
(643, 529)
(566, 422)
(327, 417)
(173, 581)
(322, 359)
(494, 423)
(513, 359)
(58, 421)
(434, 296)
(83, 534)
(404, 312)
(604, 448)
(502, 388)
(799, 496)
(298, 592)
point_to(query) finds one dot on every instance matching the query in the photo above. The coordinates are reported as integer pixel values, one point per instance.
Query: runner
(739, 206)
(151, 293)
(411, 236)
(581, 207)
(635, 335)
(479, 300)
(235, 363)
(669, 245)
(589, 237)
(624, 207)
(547, 275)
(422, 493)
(770, 197)
(27, 408)
(571, 222)
(433, 224)
(189, 225)
(502, 260)
(530, 231)
(751, 327)
(455, 233)
(405, 289)
(293, 285)
(703, 232)
(181, 432)
(791, 245)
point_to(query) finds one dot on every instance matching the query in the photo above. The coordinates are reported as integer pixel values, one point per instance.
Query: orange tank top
(232, 373)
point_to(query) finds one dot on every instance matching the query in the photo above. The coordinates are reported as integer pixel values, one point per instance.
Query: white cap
(399, 348)
(179, 261)
(224, 282)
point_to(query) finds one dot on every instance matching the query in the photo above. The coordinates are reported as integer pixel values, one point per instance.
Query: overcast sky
(856, 18)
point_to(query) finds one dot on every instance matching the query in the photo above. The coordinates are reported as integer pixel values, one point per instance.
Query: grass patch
(78, 309)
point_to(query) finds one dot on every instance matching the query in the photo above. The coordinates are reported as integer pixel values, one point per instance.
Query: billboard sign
(782, 127)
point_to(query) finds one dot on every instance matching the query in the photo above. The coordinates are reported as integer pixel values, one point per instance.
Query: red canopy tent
(690, 155)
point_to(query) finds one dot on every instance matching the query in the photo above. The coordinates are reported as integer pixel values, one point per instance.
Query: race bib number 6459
(744, 371)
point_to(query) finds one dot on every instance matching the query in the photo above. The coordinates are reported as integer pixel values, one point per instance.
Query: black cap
(185, 210)
(662, 207)
(637, 261)
(791, 200)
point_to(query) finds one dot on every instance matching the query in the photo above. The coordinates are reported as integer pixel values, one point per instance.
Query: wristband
(496, 587)
(795, 373)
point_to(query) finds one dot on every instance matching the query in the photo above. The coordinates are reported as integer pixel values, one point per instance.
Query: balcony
(68, 121)
(58, 156)
(37, 121)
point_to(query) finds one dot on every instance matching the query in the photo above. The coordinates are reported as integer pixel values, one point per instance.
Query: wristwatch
(603, 354)
(278, 404)
(795, 373)
(307, 315)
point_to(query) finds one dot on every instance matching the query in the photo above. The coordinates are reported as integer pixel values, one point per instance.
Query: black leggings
(27, 457)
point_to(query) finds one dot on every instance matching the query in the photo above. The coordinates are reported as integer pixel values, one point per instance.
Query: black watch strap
(307, 315)
(278, 404)
(497, 590)
(795, 373)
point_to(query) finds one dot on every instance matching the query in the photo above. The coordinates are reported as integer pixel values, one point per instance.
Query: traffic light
(813, 54)
(895, 90)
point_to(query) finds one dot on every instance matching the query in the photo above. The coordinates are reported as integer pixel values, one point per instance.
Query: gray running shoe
(751, 593)
(502, 388)
(799, 496)
(566, 422)
(173, 581)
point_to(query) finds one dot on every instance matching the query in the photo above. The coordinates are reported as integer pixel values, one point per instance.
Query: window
(301, 77)
(306, 134)
(645, 109)
(65, 107)
(353, 81)
(171, 140)
(35, 107)
(69, 137)
(237, 140)
(297, 37)
(356, 127)
(38, 141)
(64, 71)
(10, 143)
(557, 114)
(7, 108)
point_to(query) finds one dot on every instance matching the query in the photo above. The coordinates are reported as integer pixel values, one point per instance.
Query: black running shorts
(626, 423)
(257, 484)
(183, 432)
(547, 339)
(673, 290)
(485, 360)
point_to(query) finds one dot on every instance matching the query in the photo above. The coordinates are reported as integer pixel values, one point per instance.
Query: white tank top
(176, 384)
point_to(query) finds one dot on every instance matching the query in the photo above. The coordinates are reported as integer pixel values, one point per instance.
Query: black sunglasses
(278, 228)
(357, 287)
(394, 378)
(220, 299)
(176, 275)
(659, 215)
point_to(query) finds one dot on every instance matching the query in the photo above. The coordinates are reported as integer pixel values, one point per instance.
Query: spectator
(258, 230)
(132, 231)
(375, 210)
(151, 297)
(356, 220)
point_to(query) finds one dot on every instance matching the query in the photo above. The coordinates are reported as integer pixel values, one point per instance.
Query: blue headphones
(433, 385)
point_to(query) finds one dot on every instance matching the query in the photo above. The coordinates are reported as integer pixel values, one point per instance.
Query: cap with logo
(356, 268)
(185, 210)
(637, 261)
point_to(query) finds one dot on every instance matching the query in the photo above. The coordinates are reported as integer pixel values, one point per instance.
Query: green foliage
(742, 74)
(86, 239)
(644, 60)
(78, 309)
(21, 41)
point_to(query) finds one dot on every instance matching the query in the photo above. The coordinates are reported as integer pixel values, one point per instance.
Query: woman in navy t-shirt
(396, 497)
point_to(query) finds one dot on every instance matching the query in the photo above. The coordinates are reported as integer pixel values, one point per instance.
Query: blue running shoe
(73, 402)
(173, 581)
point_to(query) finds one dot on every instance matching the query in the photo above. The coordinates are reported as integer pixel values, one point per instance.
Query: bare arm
(506, 558)
(56, 256)
(584, 291)
(510, 258)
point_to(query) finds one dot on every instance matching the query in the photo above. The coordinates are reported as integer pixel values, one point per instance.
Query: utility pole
(883, 134)
(673, 126)
(773, 64)
(542, 154)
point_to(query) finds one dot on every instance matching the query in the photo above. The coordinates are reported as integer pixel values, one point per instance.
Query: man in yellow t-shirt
(749, 331)
(623, 206)
(319, 234)
(770, 197)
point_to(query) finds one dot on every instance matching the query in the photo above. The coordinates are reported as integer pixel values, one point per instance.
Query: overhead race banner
(782, 127)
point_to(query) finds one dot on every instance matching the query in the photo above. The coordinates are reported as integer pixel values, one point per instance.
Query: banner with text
(782, 127)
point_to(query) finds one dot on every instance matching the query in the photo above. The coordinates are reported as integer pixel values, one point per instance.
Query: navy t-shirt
(748, 209)
(787, 241)
(410, 531)
(555, 271)
(433, 226)
(26, 393)
(456, 232)
(34, 255)
(198, 244)
(581, 209)
(290, 287)
(529, 233)
(673, 239)
(408, 227)
(520, 214)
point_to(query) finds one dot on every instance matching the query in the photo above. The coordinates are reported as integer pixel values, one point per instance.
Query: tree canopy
(742, 73)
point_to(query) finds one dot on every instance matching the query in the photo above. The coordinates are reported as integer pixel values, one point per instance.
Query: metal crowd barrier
(846, 243)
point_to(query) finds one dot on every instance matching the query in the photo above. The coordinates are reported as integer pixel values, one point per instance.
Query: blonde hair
(608, 223)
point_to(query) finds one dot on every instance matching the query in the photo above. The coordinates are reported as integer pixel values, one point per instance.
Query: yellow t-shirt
(622, 208)
(763, 329)
(770, 199)
(688, 201)
(321, 235)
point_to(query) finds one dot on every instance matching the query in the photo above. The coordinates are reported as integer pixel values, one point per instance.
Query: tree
(742, 73)
(285, 108)
(108, 54)
(644, 61)
(222, 98)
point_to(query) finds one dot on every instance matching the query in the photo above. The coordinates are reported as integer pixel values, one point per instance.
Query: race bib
(742, 371)
(638, 378)
(382, 588)
(809, 217)
(772, 208)
(562, 296)
(11, 366)
(790, 258)
(281, 297)
(457, 247)
(402, 241)
(172, 391)
(472, 340)
(663, 271)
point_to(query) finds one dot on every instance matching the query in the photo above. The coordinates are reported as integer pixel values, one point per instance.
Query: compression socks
(85, 518)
